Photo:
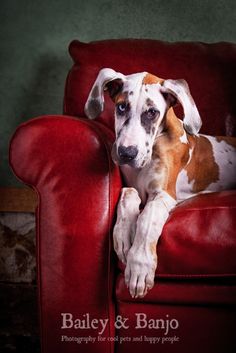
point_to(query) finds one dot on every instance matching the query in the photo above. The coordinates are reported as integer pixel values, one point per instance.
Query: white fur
(125, 227)
(183, 138)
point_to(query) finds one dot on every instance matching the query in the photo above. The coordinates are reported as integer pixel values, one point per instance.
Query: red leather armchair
(83, 300)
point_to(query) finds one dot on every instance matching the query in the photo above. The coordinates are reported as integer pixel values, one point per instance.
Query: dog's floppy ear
(178, 90)
(107, 79)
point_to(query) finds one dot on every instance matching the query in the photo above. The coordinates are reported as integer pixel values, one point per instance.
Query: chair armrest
(67, 161)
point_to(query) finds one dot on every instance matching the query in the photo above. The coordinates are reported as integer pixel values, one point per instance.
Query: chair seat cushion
(199, 238)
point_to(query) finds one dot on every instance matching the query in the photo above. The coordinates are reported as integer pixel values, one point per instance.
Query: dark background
(34, 36)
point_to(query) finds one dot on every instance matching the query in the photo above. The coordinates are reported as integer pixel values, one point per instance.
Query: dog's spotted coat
(163, 159)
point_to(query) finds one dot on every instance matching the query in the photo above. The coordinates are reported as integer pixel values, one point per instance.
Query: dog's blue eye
(121, 108)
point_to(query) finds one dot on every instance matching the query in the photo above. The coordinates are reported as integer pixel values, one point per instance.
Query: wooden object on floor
(14, 199)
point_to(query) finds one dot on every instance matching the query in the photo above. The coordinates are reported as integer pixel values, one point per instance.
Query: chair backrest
(209, 70)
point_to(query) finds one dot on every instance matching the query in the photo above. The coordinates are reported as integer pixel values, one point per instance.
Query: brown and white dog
(163, 160)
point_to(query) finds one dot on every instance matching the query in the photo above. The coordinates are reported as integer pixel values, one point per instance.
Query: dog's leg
(125, 227)
(142, 257)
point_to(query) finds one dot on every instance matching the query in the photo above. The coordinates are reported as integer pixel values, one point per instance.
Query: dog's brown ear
(109, 80)
(178, 90)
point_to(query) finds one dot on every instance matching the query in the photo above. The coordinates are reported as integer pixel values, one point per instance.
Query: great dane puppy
(163, 160)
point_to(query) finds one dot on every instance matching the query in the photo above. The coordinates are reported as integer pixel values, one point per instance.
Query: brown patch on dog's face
(123, 106)
(121, 98)
(150, 79)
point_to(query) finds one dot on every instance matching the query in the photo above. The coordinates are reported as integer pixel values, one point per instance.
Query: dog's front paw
(125, 227)
(140, 272)
(122, 240)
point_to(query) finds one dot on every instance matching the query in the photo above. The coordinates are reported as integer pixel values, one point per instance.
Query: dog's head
(141, 102)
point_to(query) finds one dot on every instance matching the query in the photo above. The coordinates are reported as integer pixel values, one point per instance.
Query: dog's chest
(139, 179)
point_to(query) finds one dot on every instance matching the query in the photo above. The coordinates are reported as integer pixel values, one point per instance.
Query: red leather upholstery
(199, 237)
(186, 290)
(67, 161)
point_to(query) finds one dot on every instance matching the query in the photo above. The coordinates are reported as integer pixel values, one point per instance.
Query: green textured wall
(34, 36)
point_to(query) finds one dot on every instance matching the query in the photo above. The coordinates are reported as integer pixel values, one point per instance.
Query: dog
(163, 161)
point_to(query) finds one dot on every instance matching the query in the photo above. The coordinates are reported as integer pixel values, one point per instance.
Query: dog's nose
(127, 154)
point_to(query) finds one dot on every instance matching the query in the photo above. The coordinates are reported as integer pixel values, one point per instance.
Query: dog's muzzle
(124, 155)
(127, 154)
